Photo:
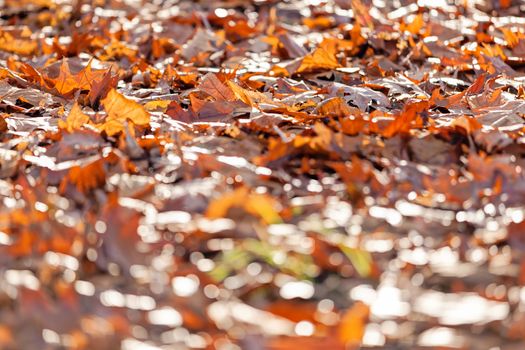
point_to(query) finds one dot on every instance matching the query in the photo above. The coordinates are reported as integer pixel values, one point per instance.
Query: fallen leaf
(119, 109)
(318, 60)
(75, 119)
(352, 326)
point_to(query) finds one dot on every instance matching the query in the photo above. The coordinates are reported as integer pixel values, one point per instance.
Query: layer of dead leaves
(262, 174)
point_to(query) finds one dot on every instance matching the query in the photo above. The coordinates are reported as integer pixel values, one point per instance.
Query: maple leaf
(101, 87)
(221, 100)
(67, 83)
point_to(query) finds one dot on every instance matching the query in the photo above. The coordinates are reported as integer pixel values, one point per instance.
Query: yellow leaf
(157, 105)
(360, 259)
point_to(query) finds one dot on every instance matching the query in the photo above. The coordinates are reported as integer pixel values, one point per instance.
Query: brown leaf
(216, 88)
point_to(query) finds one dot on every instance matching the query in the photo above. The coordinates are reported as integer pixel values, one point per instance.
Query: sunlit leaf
(119, 109)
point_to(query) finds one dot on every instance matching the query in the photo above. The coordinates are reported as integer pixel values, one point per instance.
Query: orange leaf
(505, 3)
(318, 60)
(6, 336)
(362, 14)
(20, 45)
(101, 86)
(334, 107)
(68, 83)
(88, 177)
(251, 98)
(415, 26)
(75, 120)
(3, 124)
(256, 204)
(408, 119)
(119, 109)
(352, 326)
(24, 245)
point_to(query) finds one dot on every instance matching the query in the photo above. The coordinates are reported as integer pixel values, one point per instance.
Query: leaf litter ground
(262, 174)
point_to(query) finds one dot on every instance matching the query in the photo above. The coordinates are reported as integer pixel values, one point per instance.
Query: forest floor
(316, 174)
